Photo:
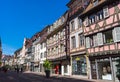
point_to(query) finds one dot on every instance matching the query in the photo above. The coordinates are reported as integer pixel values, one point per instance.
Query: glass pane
(104, 70)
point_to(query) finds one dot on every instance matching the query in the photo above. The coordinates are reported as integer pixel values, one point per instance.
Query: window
(57, 36)
(103, 13)
(60, 47)
(45, 54)
(72, 26)
(81, 39)
(44, 44)
(41, 45)
(95, 2)
(100, 15)
(73, 42)
(91, 19)
(52, 51)
(95, 40)
(57, 50)
(108, 37)
(65, 68)
(116, 34)
(106, 12)
(80, 22)
(86, 21)
(100, 38)
(61, 33)
(79, 66)
(48, 51)
(87, 42)
(91, 41)
(41, 56)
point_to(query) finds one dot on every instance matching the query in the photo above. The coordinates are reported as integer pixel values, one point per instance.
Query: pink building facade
(101, 25)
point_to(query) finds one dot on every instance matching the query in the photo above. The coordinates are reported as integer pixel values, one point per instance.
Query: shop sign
(77, 58)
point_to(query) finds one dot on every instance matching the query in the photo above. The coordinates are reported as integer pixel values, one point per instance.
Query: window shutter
(87, 42)
(95, 40)
(116, 34)
(100, 39)
(86, 21)
(106, 12)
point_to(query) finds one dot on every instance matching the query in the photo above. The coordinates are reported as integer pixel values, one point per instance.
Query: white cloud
(8, 50)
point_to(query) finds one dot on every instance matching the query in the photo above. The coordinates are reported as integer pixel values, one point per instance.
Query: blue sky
(23, 18)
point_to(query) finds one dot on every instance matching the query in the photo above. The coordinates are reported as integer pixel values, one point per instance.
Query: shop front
(56, 67)
(41, 68)
(32, 66)
(79, 65)
(65, 67)
(36, 67)
(104, 67)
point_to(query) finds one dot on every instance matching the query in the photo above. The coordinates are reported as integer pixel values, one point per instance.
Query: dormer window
(95, 2)
(100, 15)
(106, 12)
(72, 26)
(80, 22)
(92, 19)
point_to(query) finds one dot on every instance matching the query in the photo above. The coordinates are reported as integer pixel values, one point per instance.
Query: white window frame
(106, 12)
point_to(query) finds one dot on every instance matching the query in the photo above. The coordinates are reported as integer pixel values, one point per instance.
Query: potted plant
(118, 69)
(47, 67)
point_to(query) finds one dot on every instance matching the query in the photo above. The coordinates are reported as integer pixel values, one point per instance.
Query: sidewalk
(72, 77)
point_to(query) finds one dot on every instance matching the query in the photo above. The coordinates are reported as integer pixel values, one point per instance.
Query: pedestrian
(17, 70)
(21, 69)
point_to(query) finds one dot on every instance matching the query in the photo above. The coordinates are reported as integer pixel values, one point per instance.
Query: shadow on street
(31, 77)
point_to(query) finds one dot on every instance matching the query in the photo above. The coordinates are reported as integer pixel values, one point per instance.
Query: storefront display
(104, 68)
(79, 65)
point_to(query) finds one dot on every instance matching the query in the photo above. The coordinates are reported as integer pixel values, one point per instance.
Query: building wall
(103, 51)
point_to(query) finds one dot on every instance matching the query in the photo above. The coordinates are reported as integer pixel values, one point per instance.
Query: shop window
(65, 69)
(104, 70)
(73, 42)
(108, 37)
(93, 70)
(41, 67)
(79, 66)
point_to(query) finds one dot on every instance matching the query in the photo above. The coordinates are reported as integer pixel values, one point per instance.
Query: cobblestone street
(30, 77)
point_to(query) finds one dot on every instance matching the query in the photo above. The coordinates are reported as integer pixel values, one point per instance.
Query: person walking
(17, 70)
(21, 69)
